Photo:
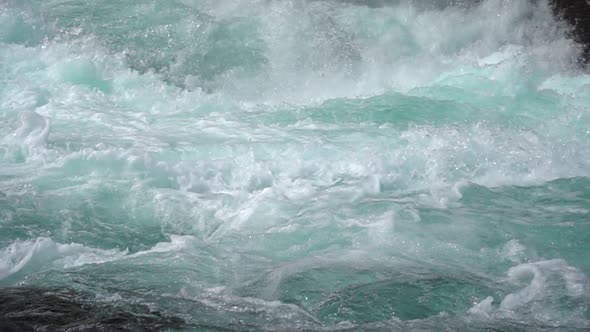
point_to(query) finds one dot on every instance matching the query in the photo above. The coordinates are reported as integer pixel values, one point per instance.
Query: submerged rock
(38, 309)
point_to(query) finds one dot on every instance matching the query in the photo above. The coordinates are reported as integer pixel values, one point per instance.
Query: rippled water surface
(283, 165)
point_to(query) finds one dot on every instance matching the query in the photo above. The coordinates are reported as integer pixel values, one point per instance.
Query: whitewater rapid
(312, 165)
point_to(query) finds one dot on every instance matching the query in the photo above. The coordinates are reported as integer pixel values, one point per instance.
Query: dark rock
(577, 13)
(37, 309)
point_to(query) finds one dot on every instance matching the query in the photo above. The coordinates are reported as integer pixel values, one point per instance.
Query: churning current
(292, 165)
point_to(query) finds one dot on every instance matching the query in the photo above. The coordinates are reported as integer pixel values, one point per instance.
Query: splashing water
(311, 165)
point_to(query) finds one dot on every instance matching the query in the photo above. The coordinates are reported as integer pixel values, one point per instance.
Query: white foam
(32, 128)
(482, 308)
(320, 50)
(41, 253)
(28, 137)
(19, 253)
(546, 277)
(223, 299)
(381, 231)
(177, 243)
(534, 289)
(548, 285)
(32, 254)
(140, 112)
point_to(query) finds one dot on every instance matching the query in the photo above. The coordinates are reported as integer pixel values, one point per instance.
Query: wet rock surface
(37, 309)
(577, 13)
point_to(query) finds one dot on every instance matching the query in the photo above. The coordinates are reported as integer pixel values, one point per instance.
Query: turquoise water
(311, 165)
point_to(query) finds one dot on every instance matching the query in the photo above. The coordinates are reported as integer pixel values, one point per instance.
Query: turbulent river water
(291, 165)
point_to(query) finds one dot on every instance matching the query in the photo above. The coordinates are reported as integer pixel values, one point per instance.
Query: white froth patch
(546, 286)
(483, 308)
(545, 278)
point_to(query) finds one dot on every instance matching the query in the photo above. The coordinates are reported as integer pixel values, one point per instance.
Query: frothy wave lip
(548, 281)
(31, 255)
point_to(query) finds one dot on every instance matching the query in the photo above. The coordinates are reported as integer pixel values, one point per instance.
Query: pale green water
(310, 165)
